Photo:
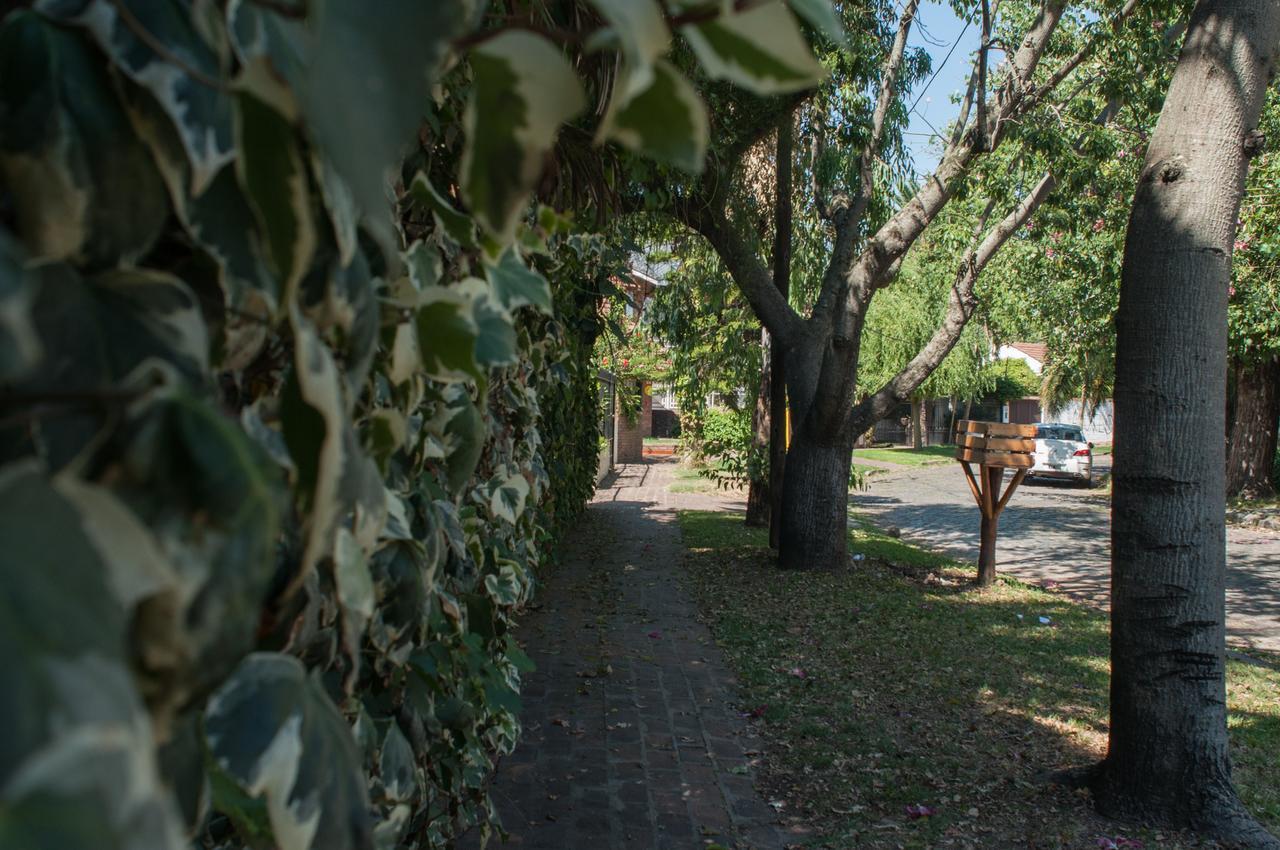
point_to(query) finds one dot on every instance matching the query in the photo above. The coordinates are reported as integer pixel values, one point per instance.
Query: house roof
(1035, 350)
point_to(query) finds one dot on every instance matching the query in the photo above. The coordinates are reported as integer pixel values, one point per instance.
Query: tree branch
(751, 275)
(960, 307)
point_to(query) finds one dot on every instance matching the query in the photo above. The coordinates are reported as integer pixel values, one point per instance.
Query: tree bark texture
(815, 503)
(1251, 436)
(1167, 760)
(758, 500)
(782, 217)
(917, 424)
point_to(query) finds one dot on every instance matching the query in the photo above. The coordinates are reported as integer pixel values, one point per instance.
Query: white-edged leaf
(760, 49)
(667, 121)
(523, 90)
(821, 15)
(509, 497)
(200, 112)
(273, 175)
(273, 733)
(515, 285)
(642, 34)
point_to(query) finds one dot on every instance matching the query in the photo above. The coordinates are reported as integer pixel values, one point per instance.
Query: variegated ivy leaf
(273, 175)
(165, 309)
(760, 48)
(459, 227)
(821, 15)
(464, 441)
(396, 765)
(446, 335)
(516, 285)
(77, 764)
(496, 343)
(641, 31)
(284, 763)
(198, 108)
(509, 496)
(225, 561)
(100, 332)
(82, 186)
(333, 472)
(523, 89)
(362, 81)
(216, 221)
(667, 121)
(19, 346)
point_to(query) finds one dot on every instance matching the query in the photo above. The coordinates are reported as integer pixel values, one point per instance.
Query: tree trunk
(917, 424)
(1167, 760)
(1251, 439)
(758, 500)
(815, 502)
(782, 282)
(993, 477)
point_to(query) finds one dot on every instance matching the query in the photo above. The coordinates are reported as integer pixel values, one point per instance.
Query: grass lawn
(909, 457)
(1102, 449)
(689, 480)
(661, 441)
(895, 685)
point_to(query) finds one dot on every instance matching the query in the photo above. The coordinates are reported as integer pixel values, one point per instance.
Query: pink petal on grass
(655, 635)
(798, 672)
(920, 811)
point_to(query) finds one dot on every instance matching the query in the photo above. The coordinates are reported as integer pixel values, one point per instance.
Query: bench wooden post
(994, 447)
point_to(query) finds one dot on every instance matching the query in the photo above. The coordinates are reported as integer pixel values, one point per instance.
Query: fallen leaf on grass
(655, 635)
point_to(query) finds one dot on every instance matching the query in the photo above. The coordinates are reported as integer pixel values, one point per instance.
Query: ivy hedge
(292, 405)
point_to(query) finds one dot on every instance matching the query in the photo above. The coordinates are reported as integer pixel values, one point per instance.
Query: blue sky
(937, 30)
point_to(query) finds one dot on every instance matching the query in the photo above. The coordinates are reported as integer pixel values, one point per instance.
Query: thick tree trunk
(815, 502)
(758, 500)
(1167, 760)
(1251, 438)
(917, 424)
(784, 156)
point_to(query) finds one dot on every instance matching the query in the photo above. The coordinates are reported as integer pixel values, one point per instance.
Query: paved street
(1057, 531)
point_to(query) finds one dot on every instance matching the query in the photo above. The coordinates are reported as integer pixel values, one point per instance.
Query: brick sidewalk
(632, 738)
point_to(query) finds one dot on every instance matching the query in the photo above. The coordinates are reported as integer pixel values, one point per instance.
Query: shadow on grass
(894, 684)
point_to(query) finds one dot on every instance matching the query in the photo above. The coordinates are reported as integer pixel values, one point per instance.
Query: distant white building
(1031, 353)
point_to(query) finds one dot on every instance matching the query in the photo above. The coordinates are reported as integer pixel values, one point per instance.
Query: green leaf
(82, 185)
(216, 219)
(507, 501)
(465, 435)
(378, 66)
(334, 474)
(523, 89)
(760, 49)
(516, 285)
(460, 227)
(274, 734)
(643, 35)
(822, 16)
(78, 754)
(274, 180)
(200, 112)
(666, 121)
(20, 348)
(447, 334)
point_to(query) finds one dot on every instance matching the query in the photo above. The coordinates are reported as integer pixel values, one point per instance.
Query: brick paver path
(631, 735)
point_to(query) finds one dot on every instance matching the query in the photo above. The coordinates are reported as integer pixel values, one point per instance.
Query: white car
(1062, 452)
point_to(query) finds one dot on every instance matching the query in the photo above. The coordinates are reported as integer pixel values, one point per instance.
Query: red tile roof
(1037, 350)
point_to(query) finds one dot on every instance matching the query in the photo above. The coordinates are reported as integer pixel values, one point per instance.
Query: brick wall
(631, 437)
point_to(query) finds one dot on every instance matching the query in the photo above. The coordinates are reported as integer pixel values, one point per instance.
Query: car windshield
(1059, 432)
